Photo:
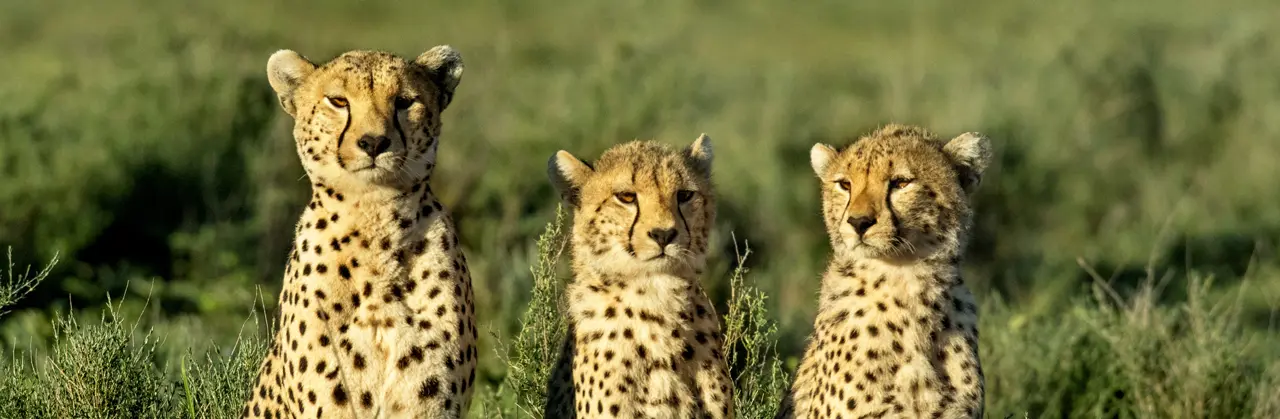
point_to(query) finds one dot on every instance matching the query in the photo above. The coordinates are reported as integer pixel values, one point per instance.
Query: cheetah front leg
(714, 389)
(712, 382)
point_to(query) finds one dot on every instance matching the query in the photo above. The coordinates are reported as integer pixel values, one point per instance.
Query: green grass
(141, 144)
(1108, 356)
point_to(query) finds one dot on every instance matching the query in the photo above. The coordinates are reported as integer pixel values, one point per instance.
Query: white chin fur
(618, 261)
(862, 249)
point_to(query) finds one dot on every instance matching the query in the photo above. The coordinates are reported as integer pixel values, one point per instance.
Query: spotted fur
(376, 315)
(644, 340)
(896, 332)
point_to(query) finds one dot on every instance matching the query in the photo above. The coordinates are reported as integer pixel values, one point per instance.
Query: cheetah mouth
(866, 249)
(654, 256)
(388, 160)
(665, 257)
(375, 167)
(370, 171)
(889, 252)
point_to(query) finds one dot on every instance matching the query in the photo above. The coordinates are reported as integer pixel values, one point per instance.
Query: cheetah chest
(392, 312)
(880, 350)
(646, 344)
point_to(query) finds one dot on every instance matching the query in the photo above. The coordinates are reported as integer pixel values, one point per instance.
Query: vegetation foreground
(1106, 357)
(1124, 249)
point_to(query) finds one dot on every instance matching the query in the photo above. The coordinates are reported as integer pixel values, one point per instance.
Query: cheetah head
(899, 194)
(642, 208)
(367, 117)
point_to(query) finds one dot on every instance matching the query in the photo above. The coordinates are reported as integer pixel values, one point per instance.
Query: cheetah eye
(403, 103)
(684, 196)
(625, 197)
(898, 183)
(844, 185)
(337, 101)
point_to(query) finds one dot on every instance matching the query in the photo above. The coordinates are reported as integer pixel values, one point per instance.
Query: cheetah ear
(444, 65)
(970, 153)
(820, 156)
(285, 71)
(700, 153)
(567, 175)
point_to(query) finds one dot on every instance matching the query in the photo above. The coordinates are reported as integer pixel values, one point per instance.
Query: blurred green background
(1135, 139)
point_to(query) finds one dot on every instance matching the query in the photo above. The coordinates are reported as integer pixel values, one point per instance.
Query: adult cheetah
(896, 332)
(376, 316)
(644, 341)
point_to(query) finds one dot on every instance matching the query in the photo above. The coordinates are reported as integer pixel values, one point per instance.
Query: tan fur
(376, 316)
(644, 340)
(896, 331)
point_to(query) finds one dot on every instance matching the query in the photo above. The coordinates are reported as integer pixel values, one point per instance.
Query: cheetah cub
(896, 332)
(644, 341)
(376, 315)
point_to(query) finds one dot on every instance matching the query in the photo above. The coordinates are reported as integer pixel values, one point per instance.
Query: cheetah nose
(373, 146)
(861, 224)
(662, 235)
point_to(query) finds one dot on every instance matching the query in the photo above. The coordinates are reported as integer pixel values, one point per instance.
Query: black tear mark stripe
(656, 186)
(844, 215)
(631, 231)
(395, 120)
(337, 151)
(680, 211)
(888, 204)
